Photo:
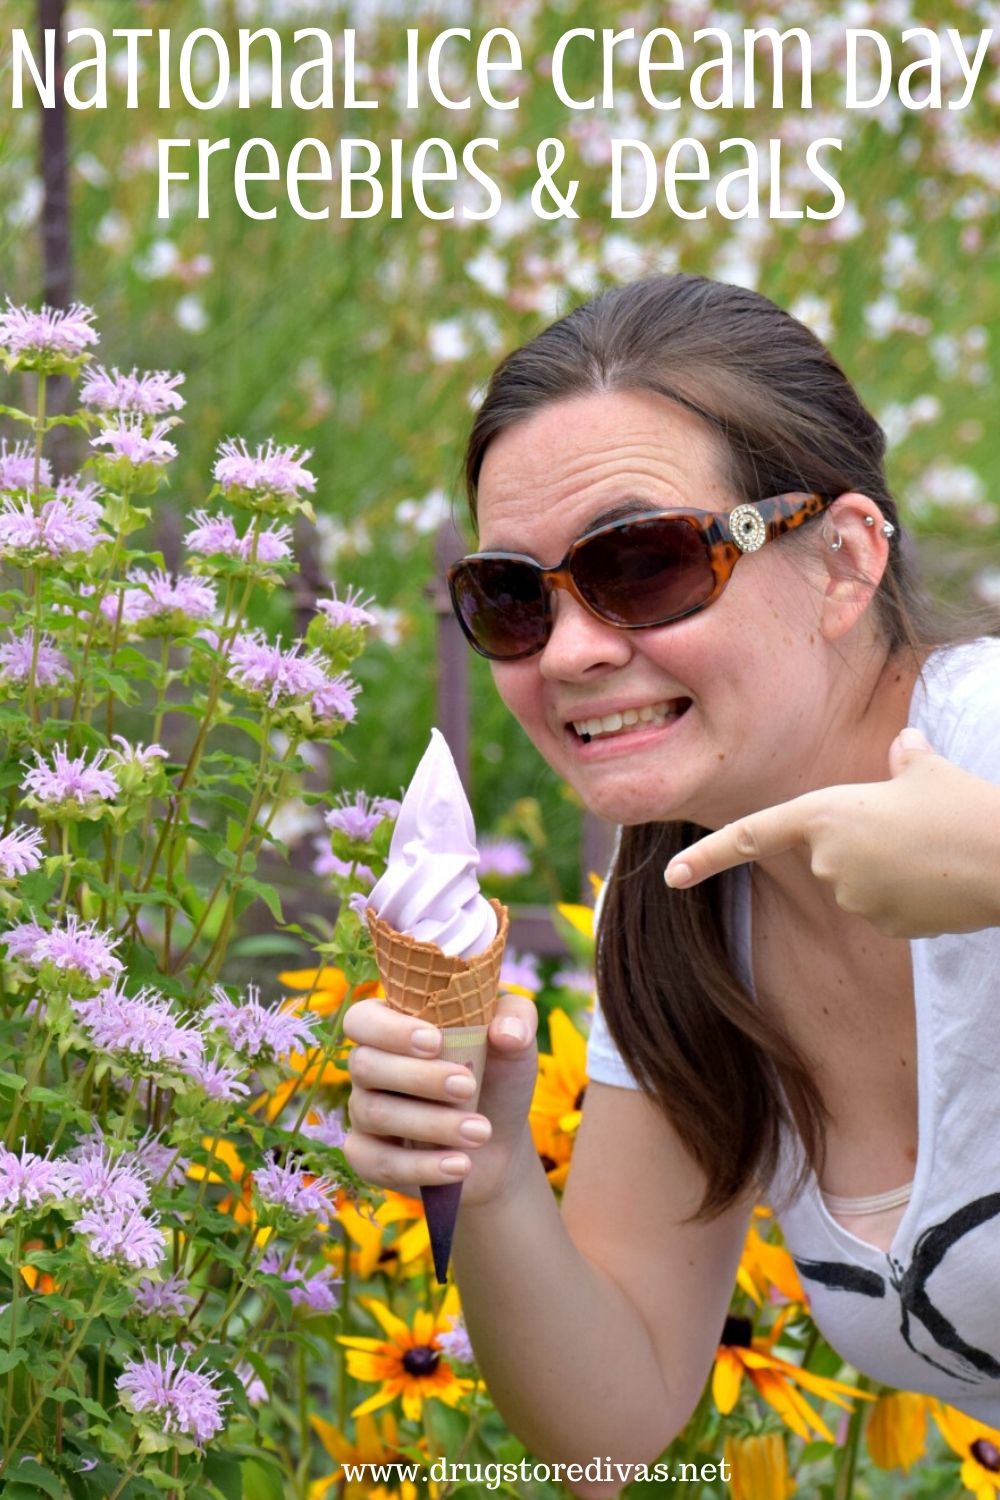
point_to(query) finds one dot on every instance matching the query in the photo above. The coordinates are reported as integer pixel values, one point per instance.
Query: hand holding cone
(460, 996)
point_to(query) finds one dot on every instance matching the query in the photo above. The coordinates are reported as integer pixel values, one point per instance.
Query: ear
(852, 570)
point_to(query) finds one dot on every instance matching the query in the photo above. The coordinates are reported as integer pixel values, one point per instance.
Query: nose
(581, 645)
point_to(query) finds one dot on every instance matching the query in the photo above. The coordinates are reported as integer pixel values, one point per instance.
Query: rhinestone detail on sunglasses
(645, 570)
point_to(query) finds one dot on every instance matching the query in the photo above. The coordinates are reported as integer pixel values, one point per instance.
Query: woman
(807, 1011)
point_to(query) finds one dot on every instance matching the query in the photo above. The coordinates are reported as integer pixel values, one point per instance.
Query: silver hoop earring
(836, 546)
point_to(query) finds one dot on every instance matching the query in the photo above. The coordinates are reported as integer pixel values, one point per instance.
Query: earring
(836, 545)
(888, 529)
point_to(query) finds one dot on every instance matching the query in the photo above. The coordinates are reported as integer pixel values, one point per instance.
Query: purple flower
(152, 393)
(140, 757)
(271, 471)
(358, 817)
(316, 1292)
(54, 330)
(162, 1299)
(213, 535)
(256, 1390)
(20, 851)
(28, 1181)
(216, 1080)
(521, 971)
(139, 1031)
(17, 467)
(129, 440)
(581, 981)
(328, 863)
(94, 1179)
(82, 493)
(124, 1236)
(351, 610)
(456, 1344)
(51, 667)
(289, 1188)
(59, 529)
(160, 1162)
(78, 948)
(325, 1126)
(358, 903)
(260, 668)
(176, 1399)
(335, 699)
(157, 596)
(255, 1031)
(70, 779)
(503, 857)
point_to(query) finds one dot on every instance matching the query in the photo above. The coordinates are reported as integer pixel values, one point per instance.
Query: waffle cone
(440, 988)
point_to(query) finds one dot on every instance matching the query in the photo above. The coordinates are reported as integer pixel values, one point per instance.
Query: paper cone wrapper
(459, 995)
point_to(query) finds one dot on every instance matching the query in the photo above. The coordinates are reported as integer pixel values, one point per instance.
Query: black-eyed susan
(408, 1362)
(977, 1445)
(558, 1099)
(398, 1223)
(376, 1441)
(758, 1466)
(765, 1267)
(896, 1431)
(776, 1380)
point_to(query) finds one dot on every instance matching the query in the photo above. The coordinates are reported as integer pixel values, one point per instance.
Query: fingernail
(677, 875)
(474, 1130)
(457, 1166)
(513, 1029)
(460, 1085)
(424, 1039)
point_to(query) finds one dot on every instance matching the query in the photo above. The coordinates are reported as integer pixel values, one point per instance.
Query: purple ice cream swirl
(429, 889)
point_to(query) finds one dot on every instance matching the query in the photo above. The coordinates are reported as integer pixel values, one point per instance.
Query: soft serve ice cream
(429, 889)
(438, 942)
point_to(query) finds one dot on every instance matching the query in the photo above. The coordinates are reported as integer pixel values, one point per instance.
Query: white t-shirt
(924, 1315)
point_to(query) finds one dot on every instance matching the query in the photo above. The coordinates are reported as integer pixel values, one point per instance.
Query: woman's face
(742, 682)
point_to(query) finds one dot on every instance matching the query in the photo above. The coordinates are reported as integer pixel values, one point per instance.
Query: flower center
(987, 1454)
(737, 1332)
(578, 1101)
(548, 1162)
(421, 1360)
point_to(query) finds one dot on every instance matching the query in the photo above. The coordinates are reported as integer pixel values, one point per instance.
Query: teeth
(651, 713)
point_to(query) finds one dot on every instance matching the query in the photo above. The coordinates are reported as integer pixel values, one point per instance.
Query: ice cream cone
(460, 996)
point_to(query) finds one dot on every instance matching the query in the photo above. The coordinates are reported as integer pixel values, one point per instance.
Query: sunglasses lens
(644, 573)
(500, 604)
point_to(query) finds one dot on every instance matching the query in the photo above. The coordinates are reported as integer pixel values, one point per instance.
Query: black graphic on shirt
(910, 1284)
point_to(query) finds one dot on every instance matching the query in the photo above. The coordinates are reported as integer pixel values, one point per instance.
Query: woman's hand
(917, 855)
(401, 1092)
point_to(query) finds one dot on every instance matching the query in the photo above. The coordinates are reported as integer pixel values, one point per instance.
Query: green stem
(81, 1333)
(847, 1459)
(15, 1269)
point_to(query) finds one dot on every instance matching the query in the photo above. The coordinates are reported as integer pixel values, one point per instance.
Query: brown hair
(726, 1075)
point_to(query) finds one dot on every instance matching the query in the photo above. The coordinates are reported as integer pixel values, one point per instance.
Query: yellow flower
(976, 1444)
(558, 1098)
(776, 1380)
(408, 1362)
(376, 1441)
(580, 918)
(896, 1433)
(758, 1465)
(368, 1233)
(763, 1265)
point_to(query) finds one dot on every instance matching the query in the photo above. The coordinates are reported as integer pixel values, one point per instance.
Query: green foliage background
(366, 340)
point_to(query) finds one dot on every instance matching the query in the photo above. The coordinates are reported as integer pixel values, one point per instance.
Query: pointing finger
(756, 836)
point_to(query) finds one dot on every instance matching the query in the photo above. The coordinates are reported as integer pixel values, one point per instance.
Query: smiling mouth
(650, 716)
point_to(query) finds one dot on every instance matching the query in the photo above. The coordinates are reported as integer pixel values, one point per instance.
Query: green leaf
(268, 894)
(225, 1473)
(260, 1483)
(16, 413)
(11, 1358)
(64, 1395)
(12, 1083)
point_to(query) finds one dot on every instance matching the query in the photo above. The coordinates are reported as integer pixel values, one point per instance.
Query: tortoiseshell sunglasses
(648, 569)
